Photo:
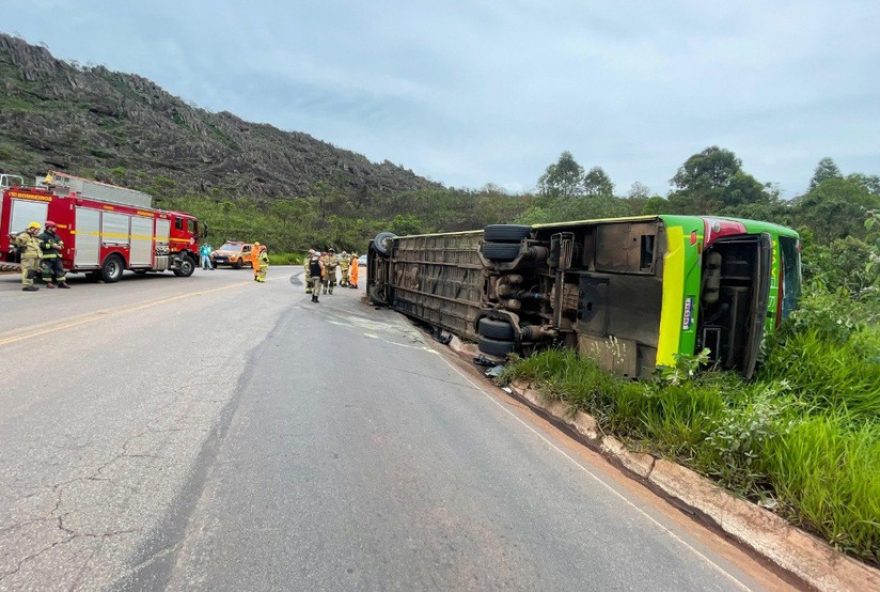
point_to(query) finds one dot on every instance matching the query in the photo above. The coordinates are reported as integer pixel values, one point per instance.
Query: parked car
(362, 260)
(234, 254)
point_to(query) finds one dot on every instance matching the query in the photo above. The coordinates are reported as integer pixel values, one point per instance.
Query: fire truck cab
(102, 237)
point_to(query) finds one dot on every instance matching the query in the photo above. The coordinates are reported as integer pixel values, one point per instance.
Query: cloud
(473, 92)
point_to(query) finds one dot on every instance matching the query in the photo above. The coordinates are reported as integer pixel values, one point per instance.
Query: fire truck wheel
(494, 347)
(506, 233)
(186, 267)
(496, 329)
(111, 270)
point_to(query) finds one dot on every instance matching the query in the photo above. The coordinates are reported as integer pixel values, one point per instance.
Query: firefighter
(29, 245)
(330, 262)
(353, 274)
(51, 245)
(260, 262)
(307, 270)
(315, 268)
(344, 262)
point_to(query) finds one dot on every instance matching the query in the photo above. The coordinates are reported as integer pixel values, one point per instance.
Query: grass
(285, 258)
(805, 434)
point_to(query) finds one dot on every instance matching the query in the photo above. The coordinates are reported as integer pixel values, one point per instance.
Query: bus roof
(752, 226)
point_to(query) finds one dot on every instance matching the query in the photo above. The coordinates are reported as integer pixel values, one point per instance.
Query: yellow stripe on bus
(673, 297)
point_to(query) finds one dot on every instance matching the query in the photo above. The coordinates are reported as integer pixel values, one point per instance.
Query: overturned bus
(631, 293)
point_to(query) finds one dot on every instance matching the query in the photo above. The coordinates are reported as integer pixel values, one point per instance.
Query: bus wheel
(496, 329)
(506, 233)
(503, 252)
(495, 347)
(186, 267)
(111, 270)
(382, 243)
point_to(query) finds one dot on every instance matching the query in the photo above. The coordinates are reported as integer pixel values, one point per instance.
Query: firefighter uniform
(329, 263)
(344, 262)
(353, 274)
(261, 263)
(29, 245)
(53, 270)
(307, 270)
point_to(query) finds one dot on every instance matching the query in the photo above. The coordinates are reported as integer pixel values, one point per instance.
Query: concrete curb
(468, 351)
(802, 554)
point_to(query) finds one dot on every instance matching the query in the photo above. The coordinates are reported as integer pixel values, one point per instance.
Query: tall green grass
(828, 373)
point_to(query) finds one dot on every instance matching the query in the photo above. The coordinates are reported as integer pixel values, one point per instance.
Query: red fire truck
(105, 229)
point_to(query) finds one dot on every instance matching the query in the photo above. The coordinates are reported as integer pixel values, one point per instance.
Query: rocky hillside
(125, 129)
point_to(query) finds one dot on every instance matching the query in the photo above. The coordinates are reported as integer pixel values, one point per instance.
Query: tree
(836, 208)
(712, 181)
(826, 169)
(562, 179)
(710, 169)
(869, 182)
(597, 183)
(639, 190)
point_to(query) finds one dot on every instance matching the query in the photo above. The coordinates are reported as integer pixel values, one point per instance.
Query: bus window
(791, 274)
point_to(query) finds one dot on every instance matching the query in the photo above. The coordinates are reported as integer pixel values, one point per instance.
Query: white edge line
(594, 476)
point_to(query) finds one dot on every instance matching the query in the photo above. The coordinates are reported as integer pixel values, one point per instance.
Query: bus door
(734, 297)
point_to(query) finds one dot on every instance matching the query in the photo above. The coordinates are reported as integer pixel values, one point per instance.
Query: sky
(477, 92)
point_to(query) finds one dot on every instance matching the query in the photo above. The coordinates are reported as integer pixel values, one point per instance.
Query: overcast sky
(468, 93)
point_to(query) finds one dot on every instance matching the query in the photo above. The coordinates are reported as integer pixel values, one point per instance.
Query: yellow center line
(107, 313)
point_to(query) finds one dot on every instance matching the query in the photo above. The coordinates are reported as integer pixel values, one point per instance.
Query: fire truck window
(178, 223)
(191, 226)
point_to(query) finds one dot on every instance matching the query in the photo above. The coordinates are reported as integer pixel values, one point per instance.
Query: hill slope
(124, 128)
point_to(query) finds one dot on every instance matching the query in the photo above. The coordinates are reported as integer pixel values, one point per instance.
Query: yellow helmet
(256, 244)
(36, 225)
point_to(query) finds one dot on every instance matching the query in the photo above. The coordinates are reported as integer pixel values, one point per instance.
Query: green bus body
(633, 293)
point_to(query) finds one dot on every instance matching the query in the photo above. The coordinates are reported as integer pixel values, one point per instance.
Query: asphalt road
(211, 433)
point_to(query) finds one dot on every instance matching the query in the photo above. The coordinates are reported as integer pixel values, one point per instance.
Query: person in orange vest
(260, 262)
(353, 271)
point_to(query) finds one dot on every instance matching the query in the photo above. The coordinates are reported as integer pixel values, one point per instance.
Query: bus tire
(382, 243)
(377, 296)
(112, 268)
(186, 267)
(495, 347)
(496, 329)
(502, 252)
(506, 233)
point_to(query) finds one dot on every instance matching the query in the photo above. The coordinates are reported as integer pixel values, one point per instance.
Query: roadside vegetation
(802, 439)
